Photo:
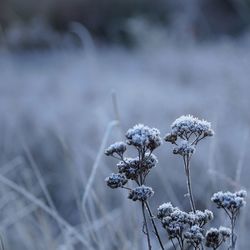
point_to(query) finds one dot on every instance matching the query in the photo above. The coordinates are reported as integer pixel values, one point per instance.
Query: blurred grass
(107, 20)
(58, 104)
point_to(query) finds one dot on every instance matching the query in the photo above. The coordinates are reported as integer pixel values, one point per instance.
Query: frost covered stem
(145, 224)
(154, 226)
(189, 186)
(173, 244)
(233, 236)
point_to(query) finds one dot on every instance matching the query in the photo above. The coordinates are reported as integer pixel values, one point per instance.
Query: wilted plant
(186, 132)
(231, 204)
(184, 229)
(145, 140)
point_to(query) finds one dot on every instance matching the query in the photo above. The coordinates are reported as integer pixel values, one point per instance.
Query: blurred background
(69, 69)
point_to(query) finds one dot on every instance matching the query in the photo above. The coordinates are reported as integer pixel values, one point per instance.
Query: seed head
(143, 136)
(194, 235)
(118, 148)
(230, 201)
(116, 180)
(184, 148)
(141, 193)
(188, 124)
(215, 237)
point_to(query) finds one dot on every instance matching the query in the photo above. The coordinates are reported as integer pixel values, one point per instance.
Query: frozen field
(56, 114)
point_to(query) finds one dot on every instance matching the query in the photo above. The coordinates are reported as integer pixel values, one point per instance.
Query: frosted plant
(215, 237)
(186, 132)
(184, 228)
(141, 193)
(117, 148)
(145, 140)
(194, 236)
(116, 180)
(231, 203)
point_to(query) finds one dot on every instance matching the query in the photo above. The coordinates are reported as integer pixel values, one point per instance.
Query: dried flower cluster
(141, 193)
(145, 140)
(182, 226)
(232, 202)
(186, 230)
(186, 132)
(215, 237)
(116, 180)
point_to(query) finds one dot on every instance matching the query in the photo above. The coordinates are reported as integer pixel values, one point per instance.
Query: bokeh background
(70, 69)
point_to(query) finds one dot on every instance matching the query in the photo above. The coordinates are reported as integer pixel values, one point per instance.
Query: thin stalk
(180, 242)
(146, 225)
(233, 237)
(173, 244)
(2, 244)
(189, 185)
(154, 226)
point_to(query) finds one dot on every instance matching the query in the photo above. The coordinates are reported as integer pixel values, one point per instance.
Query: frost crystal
(215, 237)
(141, 193)
(116, 180)
(184, 148)
(143, 136)
(118, 148)
(230, 201)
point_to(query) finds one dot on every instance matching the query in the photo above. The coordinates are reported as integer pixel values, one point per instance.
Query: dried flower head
(184, 148)
(215, 237)
(187, 124)
(116, 180)
(142, 136)
(165, 210)
(230, 201)
(201, 218)
(119, 148)
(194, 235)
(133, 167)
(141, 193)
(173, 219)
(170, 138)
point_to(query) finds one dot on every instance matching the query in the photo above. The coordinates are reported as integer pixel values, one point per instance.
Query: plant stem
(154, 226)
(233, 238)
(189, 186)
(146, 225)
(173, 244)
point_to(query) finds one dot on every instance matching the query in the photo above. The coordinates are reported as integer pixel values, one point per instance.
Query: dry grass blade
(111, 125)
(45, 208)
